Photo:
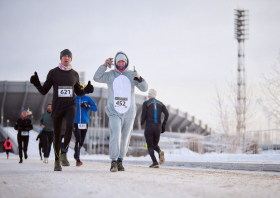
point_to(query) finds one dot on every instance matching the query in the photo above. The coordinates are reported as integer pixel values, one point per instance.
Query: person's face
(24, 114)
(121, 63)
(49, 108)
(66, 60)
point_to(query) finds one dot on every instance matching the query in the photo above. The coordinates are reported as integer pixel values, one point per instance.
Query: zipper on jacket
(80, 111)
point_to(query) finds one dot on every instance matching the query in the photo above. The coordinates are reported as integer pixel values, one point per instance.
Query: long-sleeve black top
(23, 125)
(151, 112)
(60, 79)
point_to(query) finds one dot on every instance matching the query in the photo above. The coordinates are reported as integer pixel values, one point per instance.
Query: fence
(250, 142)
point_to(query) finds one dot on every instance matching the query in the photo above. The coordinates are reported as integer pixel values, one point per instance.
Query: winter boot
(114, 166)
(154, 165)
(25, 155)
(57, 166)
(161, 157)
(64, 160)
(120, 166)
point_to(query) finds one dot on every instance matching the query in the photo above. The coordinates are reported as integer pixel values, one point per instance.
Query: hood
(120, 52)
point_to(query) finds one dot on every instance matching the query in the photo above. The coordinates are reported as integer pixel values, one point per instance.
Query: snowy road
(35, 179)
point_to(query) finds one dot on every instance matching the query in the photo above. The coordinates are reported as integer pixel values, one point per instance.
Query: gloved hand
(34, 79)
(84, 105)
(162, 129)
(19, 128)
(110, 63)
(136, 76)
(89, 88)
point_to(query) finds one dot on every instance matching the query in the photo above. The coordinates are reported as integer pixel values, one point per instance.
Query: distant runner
(23, 126)
(8, 146)
(151, 113)
(84, 104)
(40, 144)
(65, 82)
(47, 132)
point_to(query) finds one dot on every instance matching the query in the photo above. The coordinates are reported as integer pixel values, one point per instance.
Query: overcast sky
(184, 49)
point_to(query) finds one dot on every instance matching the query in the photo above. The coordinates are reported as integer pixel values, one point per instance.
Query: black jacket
(151, 112)
(56, 77)
(23, 125)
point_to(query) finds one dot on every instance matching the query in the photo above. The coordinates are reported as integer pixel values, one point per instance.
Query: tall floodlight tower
(241, 34)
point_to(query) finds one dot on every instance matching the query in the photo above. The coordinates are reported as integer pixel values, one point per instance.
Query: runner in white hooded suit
(121, 107)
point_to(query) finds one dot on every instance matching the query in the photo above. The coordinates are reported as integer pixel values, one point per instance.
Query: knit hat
(152, 93)
(121, 57)
(24, 110)
(82, 85)
(66, 52)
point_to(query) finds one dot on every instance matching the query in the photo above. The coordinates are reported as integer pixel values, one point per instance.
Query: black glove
(84, 105)
(162, 129)
(35, 80)
(27, 129)
(19, 128)
(89, 88)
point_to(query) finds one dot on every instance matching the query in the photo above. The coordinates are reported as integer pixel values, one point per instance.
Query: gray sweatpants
(120, 134)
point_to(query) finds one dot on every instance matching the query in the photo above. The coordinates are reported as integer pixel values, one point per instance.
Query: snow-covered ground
(35, 179)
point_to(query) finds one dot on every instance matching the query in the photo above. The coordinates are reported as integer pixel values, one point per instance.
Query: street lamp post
(8, 121)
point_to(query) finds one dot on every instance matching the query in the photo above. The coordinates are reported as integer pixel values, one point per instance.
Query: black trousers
(80, 135)
(40, 146)
(57, 125)
(22, 139)
(152, 135)
(7, 151)
(47, 138)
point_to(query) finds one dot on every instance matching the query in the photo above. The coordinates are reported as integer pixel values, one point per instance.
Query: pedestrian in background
(8, 146)
(47, 132)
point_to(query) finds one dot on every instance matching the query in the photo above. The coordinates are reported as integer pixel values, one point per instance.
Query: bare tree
(270, 89)
(226, 113)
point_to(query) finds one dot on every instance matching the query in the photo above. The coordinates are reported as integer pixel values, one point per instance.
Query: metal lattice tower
(241, 34)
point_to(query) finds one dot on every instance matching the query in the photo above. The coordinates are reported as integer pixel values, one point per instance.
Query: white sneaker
(45, 160)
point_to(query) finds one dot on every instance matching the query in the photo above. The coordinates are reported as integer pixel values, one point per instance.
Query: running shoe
(114, 166)
(120, 166)
(64, 160)
(79, 163)
(45, 160)
(25, 155)
(57, 165)
(161, 157)
(7, 156)
(154, 166)
(20, 161)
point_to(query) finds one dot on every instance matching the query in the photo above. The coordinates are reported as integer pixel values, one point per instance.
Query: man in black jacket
(23, 126)
(151, 113)
(65, 81)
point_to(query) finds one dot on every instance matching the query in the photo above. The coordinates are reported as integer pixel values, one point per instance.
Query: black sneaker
(114, 166)
(25, 155)
(20, 161)
(154, 166)
(120, 166)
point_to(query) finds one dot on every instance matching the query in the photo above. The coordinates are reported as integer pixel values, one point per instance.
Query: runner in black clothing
(40, 145)
(65, 81)
(23, 126)
(151, 113)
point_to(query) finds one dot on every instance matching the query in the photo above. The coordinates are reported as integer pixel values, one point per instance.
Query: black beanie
(66, 52)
